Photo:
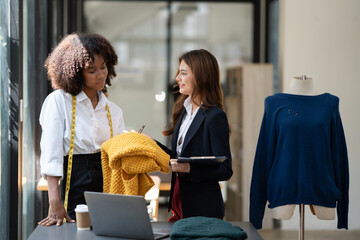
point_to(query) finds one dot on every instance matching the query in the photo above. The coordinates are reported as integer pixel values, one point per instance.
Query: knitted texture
(205, 228)
(126, 161)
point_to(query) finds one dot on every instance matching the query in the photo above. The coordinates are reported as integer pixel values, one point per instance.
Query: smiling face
(95, 75)
(185, 79)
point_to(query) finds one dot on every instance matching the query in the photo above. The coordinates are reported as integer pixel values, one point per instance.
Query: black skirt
(86, 175)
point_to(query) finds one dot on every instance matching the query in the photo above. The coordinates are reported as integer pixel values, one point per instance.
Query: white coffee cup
(82, 217)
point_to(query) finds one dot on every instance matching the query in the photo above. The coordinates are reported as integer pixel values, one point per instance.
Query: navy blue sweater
(301, 156)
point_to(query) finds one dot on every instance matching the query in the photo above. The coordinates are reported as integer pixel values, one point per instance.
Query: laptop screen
(117, 215)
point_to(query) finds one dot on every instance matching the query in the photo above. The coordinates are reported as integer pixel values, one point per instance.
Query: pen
(142, 128)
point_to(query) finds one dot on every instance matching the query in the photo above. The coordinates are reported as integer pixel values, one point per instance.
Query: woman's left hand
(179, 167)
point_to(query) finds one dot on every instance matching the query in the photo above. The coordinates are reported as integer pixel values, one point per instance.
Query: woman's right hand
(56, 215)
(56, 209)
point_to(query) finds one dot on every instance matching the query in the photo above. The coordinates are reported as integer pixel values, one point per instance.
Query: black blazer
(208, 135)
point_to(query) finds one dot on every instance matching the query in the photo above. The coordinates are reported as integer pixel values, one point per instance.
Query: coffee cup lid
(81, 208)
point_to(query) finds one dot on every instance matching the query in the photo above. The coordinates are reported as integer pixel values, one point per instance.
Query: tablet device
(206, 160)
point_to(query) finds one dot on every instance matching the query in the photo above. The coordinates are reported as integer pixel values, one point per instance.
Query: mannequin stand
(302, 221)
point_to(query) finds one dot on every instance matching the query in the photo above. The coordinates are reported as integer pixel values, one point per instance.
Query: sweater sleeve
(341, 168)
(264, 155)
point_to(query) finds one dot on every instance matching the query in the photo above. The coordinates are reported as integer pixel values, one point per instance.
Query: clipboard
(204, 160)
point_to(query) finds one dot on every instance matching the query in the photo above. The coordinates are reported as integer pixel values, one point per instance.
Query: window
(149, 36)
(4, 121)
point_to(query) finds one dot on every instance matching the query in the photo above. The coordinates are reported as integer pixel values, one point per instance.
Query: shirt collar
(81, 96)
(188, 105)
(103, 100)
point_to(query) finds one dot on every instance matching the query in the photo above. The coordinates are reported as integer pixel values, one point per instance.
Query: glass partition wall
(137, 30)
(149, 36)
(224, 29)
(4, 121)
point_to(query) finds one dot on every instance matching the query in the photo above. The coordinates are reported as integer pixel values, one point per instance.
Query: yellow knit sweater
(126, 160)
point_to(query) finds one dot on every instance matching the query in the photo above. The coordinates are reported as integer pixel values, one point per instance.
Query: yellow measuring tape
(71, 150)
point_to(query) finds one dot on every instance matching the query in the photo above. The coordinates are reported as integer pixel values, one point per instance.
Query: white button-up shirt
(185, 124)
(91, 128)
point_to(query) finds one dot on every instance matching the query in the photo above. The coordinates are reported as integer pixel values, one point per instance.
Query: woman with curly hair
(76, 119)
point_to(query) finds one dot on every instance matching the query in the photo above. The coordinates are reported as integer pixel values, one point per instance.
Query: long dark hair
(207, 87)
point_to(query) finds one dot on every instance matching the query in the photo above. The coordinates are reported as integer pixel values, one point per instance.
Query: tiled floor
(282, 234)
(310, 235)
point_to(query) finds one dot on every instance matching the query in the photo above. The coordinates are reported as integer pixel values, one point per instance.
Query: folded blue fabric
(200, 228)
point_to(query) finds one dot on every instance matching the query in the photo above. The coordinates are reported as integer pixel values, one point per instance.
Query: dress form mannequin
(302, 86)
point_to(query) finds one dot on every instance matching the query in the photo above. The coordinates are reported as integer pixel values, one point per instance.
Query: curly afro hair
(74, 53)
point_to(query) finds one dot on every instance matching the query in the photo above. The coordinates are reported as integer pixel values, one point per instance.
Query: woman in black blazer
(199, 128)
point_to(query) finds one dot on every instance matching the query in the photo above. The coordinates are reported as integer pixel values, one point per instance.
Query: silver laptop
(122, 216)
